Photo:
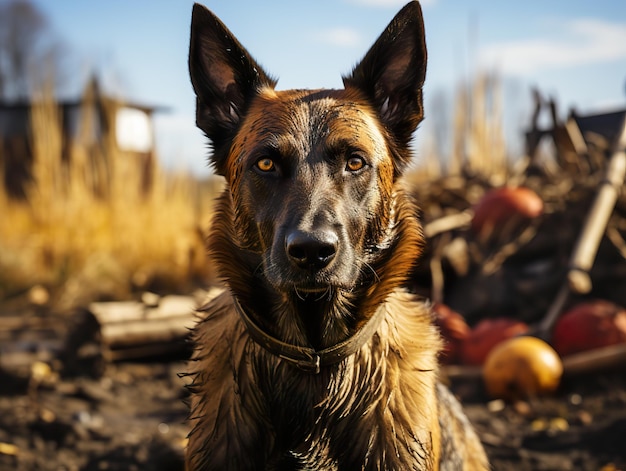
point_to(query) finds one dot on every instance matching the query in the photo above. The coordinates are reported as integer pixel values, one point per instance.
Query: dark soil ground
(85, 414)
(582, 427)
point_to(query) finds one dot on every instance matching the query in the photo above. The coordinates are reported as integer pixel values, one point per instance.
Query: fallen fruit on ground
(589, 325)
(486, 335)
(502, 209)
(522, 367)
(454, 331)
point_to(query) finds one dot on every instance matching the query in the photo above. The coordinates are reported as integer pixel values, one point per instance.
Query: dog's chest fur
(373, 408)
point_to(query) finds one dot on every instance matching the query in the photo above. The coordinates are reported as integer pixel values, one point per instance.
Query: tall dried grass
(478, 145)
(90, 229)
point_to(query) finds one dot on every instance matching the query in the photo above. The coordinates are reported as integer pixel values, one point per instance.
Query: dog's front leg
(227, 432)
(229, 419)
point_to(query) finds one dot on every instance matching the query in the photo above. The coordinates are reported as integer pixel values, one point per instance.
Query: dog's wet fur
(314, 235)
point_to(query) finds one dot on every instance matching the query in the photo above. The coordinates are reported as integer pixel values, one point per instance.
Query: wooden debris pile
(576, 245)
(555, 235)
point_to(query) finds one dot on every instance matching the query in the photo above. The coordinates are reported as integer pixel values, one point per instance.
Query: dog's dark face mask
(309, 171)
(311, 174)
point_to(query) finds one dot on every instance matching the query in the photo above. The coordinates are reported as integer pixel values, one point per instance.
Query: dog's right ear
(224, 77)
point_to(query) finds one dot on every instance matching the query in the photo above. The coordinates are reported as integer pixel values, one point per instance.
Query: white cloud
(343, 37)
(582, 42)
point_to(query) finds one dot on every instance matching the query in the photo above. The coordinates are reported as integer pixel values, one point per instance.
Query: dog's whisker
(365, 271)
(371, 268)
(300, 296)
(327, 293)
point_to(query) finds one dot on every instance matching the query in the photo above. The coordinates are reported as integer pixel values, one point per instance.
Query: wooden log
(132, 329)
(448, 223)
(613, 356)
(110, 313)
(576, 137)
(149, 330)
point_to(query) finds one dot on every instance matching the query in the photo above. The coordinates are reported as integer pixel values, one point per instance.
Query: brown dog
(315, 357)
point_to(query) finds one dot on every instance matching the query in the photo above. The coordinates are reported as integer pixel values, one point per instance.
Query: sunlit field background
(89, 228)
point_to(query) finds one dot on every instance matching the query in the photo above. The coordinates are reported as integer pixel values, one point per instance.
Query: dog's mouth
(315, 292)
(305, 284)
(312, 289)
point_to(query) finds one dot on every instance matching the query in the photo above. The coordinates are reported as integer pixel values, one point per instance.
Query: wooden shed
(582, 142)
(92, 120)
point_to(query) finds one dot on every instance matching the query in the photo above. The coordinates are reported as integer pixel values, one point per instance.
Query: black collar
(306, 358)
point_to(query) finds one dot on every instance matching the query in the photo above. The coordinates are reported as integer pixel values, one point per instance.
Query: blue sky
(574, 50)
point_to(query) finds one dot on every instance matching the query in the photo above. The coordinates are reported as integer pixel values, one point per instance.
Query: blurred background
(105, 171)
(572, 50)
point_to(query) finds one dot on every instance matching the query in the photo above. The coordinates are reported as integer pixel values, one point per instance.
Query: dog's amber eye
(355, 163)
(265, 164)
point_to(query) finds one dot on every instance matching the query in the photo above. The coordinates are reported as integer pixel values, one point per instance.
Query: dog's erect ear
(392, 73)
(224, 77)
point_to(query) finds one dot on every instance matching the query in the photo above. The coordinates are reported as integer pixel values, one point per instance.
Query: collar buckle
(309, 365)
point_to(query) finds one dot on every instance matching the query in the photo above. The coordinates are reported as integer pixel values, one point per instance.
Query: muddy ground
(87, 414)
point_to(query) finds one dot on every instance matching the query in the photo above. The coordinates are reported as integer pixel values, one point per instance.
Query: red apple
(453, 329)
(589, 325)
(503, 207)
(487, 334)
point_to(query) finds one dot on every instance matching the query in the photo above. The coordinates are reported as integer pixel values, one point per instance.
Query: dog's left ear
(392, 73)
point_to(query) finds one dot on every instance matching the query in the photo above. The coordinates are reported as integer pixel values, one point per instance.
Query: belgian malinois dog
(316, 357)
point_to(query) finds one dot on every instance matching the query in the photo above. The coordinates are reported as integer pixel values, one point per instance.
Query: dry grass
(477, 138)
(89, 230)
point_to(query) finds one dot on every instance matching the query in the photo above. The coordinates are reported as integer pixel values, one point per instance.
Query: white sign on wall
(133, 130)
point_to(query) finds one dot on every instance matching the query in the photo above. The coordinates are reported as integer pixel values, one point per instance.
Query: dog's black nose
(311, 250)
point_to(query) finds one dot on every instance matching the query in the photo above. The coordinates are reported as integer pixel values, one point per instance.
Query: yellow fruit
(522, 367)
